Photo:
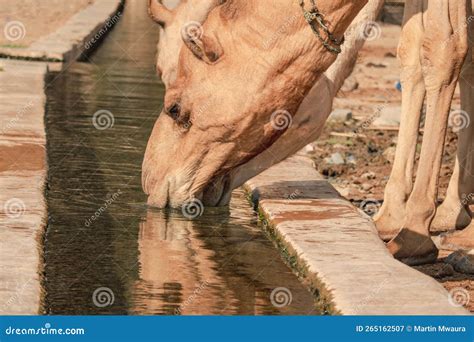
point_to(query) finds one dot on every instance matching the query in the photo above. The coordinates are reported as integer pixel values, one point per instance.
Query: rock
(366, 186)
(309, 148)
(340, 115)
(389, 154)
(462, 261)
(350, 84)
(455, 257)
(351, 159)
(369, 175)
(446, 270)
(389, 116)
(335, 159)
(438, 270)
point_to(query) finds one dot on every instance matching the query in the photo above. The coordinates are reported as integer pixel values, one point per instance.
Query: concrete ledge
(80, 33)
(22, 179)
(336, 248)
(23, 165)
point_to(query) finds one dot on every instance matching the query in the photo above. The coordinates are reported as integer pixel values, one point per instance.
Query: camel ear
(159, 13)
(204, 48)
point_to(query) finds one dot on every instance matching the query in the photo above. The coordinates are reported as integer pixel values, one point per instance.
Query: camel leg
(461, 187)
(392, 213)
(443, 54)
(454, 213)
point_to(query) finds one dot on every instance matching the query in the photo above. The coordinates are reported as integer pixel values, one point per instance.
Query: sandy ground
(364, 177)
(24, 21)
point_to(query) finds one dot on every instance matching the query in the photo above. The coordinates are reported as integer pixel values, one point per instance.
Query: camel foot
(389, 222)
(463, 239)
(450, 217)
(413, 248)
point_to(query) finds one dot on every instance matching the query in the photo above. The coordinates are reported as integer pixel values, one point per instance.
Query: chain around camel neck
(316, 21)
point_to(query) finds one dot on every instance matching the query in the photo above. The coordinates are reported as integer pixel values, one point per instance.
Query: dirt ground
(24, 21)
(368, 156)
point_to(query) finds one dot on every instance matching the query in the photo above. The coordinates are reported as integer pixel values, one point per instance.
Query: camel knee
(444, 49)
(441, 67)
(409, 57)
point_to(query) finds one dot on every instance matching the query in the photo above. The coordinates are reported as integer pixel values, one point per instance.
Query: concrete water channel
(104, 250)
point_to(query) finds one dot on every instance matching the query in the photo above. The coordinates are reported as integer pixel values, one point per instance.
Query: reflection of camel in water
(211, 265)
(169, 266)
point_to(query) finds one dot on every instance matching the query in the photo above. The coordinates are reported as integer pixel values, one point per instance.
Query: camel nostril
(174, 110)
(159, 71)
(213, 56)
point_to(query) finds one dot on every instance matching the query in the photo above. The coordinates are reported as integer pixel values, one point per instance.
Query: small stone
(389, 154)
(455, 257)
(340, 115)
(309, 148)
(438, 270)
(369, 175)
(351, 159)
(335, 159)
(389, 116)
(462, 262)
(446, 271)
(366, 186)
(350, 84)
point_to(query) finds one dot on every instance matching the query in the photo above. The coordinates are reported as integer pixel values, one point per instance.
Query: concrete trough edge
(23, 294)
(335, 247)
(23, 211)
(82, 32)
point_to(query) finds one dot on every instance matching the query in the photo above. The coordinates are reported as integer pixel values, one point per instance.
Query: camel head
(239, 83)
(183, 19)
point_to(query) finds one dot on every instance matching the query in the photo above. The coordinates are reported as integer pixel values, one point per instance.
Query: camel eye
(180, 117)
(173, 111)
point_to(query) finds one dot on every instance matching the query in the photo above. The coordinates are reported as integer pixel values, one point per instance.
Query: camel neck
(338, 14)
